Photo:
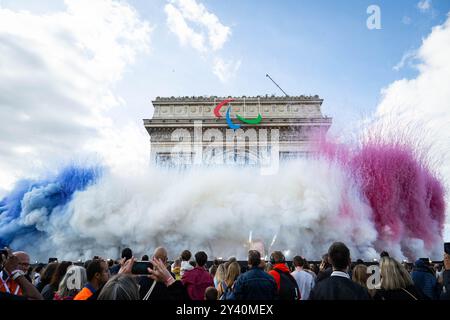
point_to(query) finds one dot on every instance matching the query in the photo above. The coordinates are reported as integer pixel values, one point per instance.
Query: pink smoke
(406, 198)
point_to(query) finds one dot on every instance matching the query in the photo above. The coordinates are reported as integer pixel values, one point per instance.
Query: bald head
(160, 253)
(24, 260)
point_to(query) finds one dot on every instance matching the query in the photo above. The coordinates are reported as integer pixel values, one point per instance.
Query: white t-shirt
(305, 282)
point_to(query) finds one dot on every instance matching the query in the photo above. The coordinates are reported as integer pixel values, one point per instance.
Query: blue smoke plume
(26, 209)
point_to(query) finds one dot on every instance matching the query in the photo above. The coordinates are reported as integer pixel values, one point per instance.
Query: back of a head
(298, 261)
(254, 258)
(339, 256)
(359, 274)
(393, 275)
(59, 273)
(211, 294)
(49, 271)
(145, 258)
(95, 266)
(127, 253)
(277, 257)
(120, 287)
(186, 255)
(160, 253)
(201, 258)
(233, 271)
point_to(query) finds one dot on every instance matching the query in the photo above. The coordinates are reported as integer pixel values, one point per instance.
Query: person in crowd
(305, 280)
(126, 254)
(225, 287)
(13, 283)
(176, 269)
(384, 254)
(185, 265)
(211, 294)
(24, 263)
(286, 284)
(48, 292)
(37, 274)
(97, 274)
(212, 271)
(255, 284)
(159, 290)
(307, 268)
(424, 279)
(396, 282)
(268, 267)
(314, 268)
(360, 276)
(71, 283)
(220, 274)
(445, 294)
(145, 258)
(47, 275)
(198, 279)
(325, 268)
(120, 287)
(338, 285)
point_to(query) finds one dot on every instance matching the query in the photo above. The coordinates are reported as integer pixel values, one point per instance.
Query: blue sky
(308, 47)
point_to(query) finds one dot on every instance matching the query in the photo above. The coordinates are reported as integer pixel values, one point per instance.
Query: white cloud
(56, 76)
(178, 11)
(194, 25)
(424, 102)
(225, 70)
(424, 5)
(406, 59)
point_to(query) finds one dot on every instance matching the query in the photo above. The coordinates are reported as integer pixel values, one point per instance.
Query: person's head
(393, 275)
(87, 263)
(213, 270)
(233, 271)
(160, 253)
(220, 272)
(359, 275)
(59, 274)
(186, 255)
(315, 268)
(23, 260)
(359, 261)
(72, 282)
(127, 254)
(177, 263)
(120, 287)
(384, 254)
(277, 257)
(145, 258)
(211, 294)
(298, 262)
(339, 256)
(201, 258)
(110, 263)
(254, 258)
(48, 272)
(97, 272)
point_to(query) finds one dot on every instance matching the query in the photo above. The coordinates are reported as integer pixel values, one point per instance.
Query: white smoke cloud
(424, 102)
(57, 72)
(214, 210)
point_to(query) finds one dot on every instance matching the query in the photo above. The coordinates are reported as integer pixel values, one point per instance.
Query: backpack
(228, 293)
(288, 287)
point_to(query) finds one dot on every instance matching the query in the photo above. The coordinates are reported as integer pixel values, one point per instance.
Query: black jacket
(446, 295)
(175, 292)
(411, 293)
(338, 288)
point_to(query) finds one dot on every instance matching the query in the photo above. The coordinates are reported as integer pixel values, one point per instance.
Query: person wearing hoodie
(424, 279)
(198, 279)
(286, 284)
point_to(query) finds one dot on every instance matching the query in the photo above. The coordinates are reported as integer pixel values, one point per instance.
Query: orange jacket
(8, 285)
(84, 294)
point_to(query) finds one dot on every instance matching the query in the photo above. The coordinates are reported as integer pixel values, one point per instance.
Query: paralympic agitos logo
(230, 123)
